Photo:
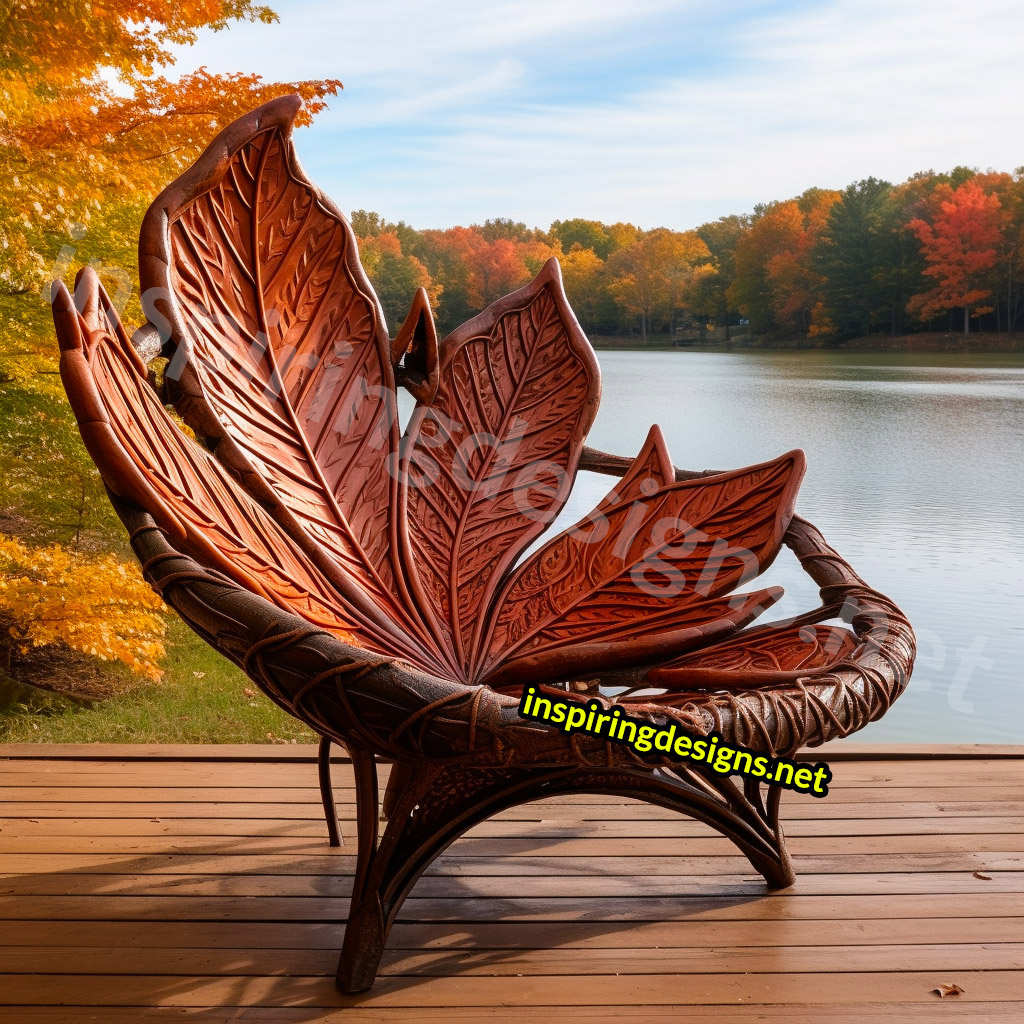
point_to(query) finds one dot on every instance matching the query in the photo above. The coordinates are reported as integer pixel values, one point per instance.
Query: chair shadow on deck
(167, 929)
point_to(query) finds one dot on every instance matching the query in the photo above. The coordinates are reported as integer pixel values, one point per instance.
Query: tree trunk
(967, 319)
(1009, 292)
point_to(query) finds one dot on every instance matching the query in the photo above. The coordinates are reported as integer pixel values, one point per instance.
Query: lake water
(915, 473)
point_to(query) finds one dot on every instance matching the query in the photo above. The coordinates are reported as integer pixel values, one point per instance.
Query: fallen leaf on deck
(947, 990)
(982, 876)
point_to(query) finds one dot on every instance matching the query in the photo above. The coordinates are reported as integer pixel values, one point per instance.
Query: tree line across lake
(939, 252)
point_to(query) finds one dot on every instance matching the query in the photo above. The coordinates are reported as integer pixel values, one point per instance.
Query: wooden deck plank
(238, 752)
(744, 906)
(610, 838)
(724, 861)
(87, 856)
(157, 773)
(589, 806)
(291, 840)
(503, 885)
(203, 890)
(502, 962)
(256, 935)
(319, 857)
(797, 809)
(631, 991)
(977, 1011)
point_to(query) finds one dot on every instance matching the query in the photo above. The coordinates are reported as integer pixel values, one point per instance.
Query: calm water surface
(915, 474)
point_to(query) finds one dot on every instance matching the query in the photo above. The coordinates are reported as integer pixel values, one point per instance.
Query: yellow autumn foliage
(96, 605)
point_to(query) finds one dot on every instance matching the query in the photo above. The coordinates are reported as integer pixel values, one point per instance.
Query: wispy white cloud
(460, 111)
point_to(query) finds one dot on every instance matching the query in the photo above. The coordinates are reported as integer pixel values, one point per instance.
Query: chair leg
(778, 869)
(740, 812)
(434, 807)
(400, 776)
(327, 791)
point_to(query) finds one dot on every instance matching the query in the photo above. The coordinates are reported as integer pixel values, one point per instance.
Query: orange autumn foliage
(959, 246)
(88, 116)
(95, 605)
(775, 280)
(651, 274)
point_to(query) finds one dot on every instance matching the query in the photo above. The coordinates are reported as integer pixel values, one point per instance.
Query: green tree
(853, 256)
(505, 228)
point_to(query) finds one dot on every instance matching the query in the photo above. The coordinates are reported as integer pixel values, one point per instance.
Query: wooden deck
(199, 887)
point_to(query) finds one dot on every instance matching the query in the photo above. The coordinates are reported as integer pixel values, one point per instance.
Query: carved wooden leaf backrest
(287, 365)
(289, 354)
(490, 462)
(143, 455)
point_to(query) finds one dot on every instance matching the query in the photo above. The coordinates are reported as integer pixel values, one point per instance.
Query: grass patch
(202, 699)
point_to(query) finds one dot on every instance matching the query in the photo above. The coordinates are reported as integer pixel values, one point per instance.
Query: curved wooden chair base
(432, 807)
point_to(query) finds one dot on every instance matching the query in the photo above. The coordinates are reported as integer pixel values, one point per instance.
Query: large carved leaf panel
(289, 353)
(490, 462)
(646, 574)
(142, 455)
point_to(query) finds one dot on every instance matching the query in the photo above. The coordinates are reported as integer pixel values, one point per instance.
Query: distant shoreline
(951, 343)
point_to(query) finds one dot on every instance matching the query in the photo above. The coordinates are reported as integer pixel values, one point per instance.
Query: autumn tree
(473, 271)
(584, 279)
(774, 230)
(649, 276)
(959, 247)
(709, 294)
(1007, 276)
(92, 125)
(88, 113)
(395, 276)
(776, 284)
(94, 605)
(501, 268)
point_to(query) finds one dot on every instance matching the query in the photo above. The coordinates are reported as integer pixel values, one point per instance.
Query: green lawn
(202, 699)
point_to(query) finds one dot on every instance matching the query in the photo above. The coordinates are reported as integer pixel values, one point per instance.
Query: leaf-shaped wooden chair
(376, 586)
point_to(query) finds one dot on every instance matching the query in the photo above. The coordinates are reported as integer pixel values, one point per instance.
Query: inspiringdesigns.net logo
(614, 724)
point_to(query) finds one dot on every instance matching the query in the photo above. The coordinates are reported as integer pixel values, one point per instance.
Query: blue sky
(654, 112)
